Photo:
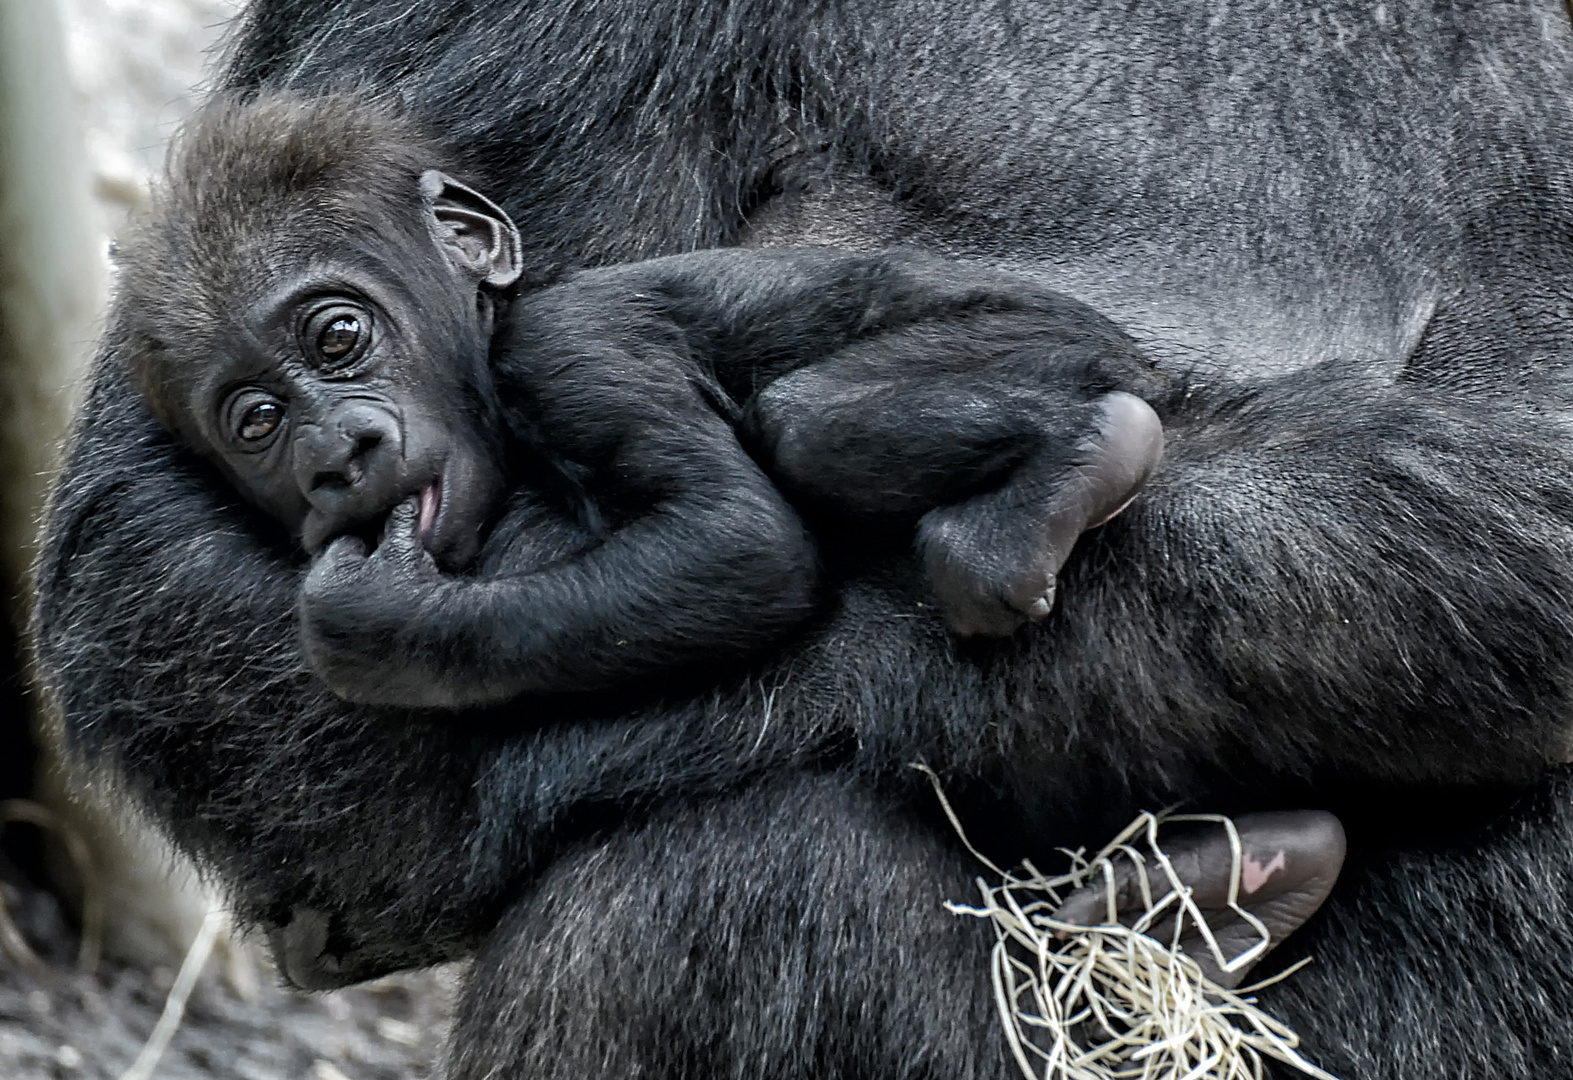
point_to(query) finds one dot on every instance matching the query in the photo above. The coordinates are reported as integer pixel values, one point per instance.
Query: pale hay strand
(1110, 1002)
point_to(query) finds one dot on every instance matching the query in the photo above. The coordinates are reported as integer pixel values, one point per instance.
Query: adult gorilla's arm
(166, 627)
(1200, 640)
(1327, 578)
(1332, 571)
(1331, 578)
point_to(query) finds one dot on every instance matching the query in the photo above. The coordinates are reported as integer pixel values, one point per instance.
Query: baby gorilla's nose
(346, 466)
(347, 470)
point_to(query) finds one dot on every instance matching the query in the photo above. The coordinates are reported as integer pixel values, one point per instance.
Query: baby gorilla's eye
(261, 420)
(340, 337)
(336, 335)
(252, 416)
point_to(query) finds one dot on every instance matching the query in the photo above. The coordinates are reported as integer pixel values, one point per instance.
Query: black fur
(1348, 227)
(883, 389)
(894, 385)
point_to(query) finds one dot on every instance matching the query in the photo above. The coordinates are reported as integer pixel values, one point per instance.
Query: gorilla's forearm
(1329, 578)
(1200, 637)
(1301, 591)
(707, 577)
(166, 628)
(694, 883)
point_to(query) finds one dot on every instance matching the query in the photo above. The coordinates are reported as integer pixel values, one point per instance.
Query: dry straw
(1109, 1002)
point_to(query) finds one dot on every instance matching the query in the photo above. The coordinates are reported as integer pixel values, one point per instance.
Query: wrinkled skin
(1345, 228)
(303, 373)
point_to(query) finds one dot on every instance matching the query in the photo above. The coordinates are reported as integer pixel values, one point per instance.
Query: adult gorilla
(1349, 229)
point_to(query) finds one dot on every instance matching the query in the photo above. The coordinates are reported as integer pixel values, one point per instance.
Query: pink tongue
(431, 495)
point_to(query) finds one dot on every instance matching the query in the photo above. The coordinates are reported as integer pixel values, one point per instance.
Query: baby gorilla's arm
(886, 383)
(1002, 417)
(670, 590)
(693, 555)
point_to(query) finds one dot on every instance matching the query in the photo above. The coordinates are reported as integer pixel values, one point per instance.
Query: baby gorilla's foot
(1289, 864)
(992, 560)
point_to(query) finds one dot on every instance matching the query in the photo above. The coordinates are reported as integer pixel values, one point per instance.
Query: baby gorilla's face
(345, 391)
(350, 373)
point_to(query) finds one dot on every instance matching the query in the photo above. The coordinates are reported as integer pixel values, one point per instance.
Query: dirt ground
(60, 1025)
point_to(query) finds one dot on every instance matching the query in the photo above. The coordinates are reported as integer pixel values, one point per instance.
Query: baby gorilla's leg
(1003, 464)
(993, 559)
(1288, 866)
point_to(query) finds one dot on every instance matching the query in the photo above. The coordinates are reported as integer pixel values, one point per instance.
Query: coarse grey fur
(1348, 227)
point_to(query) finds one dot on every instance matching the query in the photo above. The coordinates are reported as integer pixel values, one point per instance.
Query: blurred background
(98, 917)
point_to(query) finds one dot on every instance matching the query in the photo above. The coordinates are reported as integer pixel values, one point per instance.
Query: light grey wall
(90, 91)
(136, 67)
(51, 269)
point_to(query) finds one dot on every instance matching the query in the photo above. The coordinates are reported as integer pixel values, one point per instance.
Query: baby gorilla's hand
(358, 611)
(1290, 861)
(993, 559)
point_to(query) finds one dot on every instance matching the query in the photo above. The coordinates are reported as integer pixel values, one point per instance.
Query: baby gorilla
(340, 328)
(571, 487)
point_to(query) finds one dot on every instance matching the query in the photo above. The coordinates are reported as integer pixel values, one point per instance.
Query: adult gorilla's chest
(1248, 189)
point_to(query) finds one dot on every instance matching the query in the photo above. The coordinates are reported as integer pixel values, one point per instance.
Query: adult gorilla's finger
(1289, 863)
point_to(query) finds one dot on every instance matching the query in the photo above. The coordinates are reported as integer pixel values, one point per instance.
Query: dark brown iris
(338, 338)
(261, 420)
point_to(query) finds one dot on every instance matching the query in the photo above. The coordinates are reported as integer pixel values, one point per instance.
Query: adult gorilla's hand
(1288, 865)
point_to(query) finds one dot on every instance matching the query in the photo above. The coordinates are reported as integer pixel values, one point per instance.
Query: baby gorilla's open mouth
(374, 531)
(430, 505)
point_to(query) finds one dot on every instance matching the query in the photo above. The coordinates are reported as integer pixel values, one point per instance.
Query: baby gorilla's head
(311, 304)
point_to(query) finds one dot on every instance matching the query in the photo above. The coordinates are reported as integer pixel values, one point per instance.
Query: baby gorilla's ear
(478, 238)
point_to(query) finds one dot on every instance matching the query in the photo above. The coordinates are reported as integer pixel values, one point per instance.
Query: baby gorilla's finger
(343, 549)
(342, 557)
(401, 529)
(1289, 863)
(400, 552)
(400, 544)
